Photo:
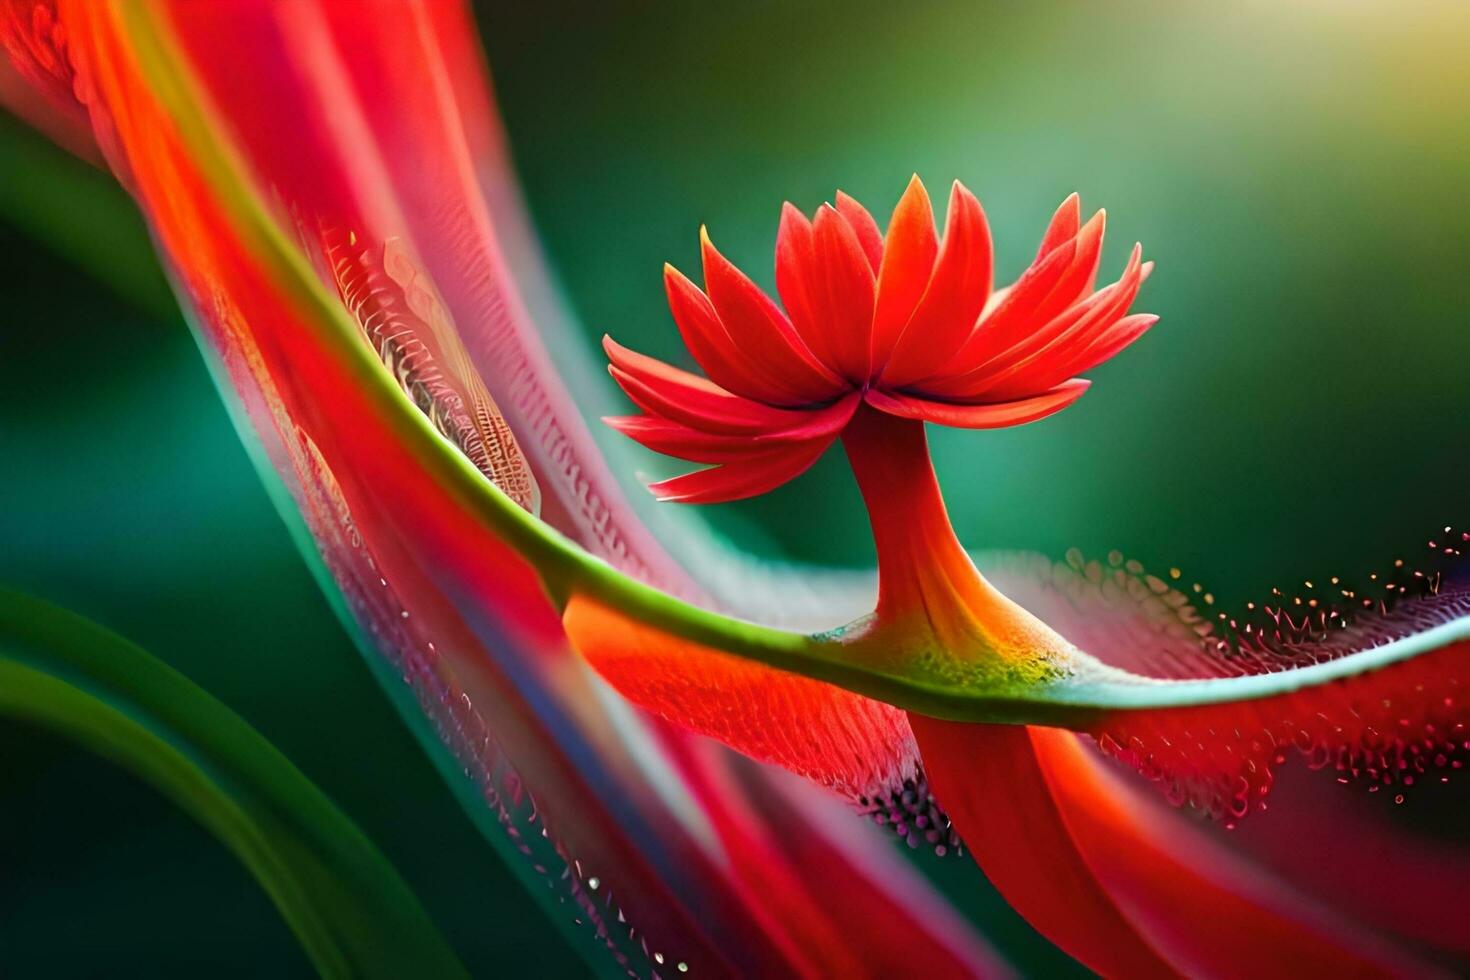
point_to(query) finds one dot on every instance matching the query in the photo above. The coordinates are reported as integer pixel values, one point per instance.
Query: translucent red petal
(1127, 894)
(837, 738)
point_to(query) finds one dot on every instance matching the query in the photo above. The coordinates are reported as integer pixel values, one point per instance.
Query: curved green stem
(352, 913)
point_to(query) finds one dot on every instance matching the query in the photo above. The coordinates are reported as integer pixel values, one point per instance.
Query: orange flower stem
(918, 553)
(931, 598)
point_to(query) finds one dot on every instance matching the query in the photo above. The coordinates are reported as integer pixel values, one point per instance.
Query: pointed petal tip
(1090, 235)
(1070, 210)
(962, 196)
(915, 191)
(684, 294)
(791, 212)
(676, 280)
(671, 490)
(1063, 226)
(1134, 268)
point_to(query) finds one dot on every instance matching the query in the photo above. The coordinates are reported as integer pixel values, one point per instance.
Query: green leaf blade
(352, 913)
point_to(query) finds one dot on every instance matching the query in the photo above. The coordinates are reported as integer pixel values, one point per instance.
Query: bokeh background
(1298, 174)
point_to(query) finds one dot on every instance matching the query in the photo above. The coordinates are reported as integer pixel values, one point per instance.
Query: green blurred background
(1297, 174)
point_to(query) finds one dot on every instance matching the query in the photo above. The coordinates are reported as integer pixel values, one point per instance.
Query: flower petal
(994, 415)
(825, 281)
(846, 284)
(864, 227)
(989, 781)
(664, 435)
(1045, 359)
(1113, 340)
(1084, 251)
(842, 740)
(762, 337)
(662, 389)
(1081, 273)
(670, 438)
(1008, 321)
(707, 339)
(957, 292)
(1063, 226)
(794, 255)
(750, 476)
(908, 262)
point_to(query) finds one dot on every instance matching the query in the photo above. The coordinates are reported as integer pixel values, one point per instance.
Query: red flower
(906, 323)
